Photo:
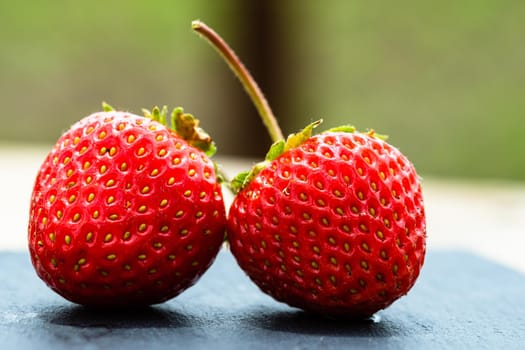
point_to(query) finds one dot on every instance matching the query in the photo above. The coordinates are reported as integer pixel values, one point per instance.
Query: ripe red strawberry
(333, 223)
(126, 211)
(334, 226)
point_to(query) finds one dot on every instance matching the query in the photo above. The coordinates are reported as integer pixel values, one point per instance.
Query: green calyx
(343, 128)
(352, 129)
(185, 126)
(106, 107)
(241, 180)
(292, 141)
(276, 149)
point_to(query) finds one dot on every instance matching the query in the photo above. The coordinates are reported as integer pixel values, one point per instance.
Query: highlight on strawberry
(332, 223)
(126, 210)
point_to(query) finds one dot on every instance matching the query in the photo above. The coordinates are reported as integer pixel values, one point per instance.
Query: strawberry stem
(244, 76)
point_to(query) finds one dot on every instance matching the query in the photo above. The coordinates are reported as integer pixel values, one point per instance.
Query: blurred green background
(445, 79)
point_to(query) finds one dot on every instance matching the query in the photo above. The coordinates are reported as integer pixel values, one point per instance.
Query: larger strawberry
(335, 225)
(126, 211)
(332, 223)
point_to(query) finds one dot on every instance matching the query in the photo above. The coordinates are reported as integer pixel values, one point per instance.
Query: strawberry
(333, 223)
(126, 211)
(334, 226)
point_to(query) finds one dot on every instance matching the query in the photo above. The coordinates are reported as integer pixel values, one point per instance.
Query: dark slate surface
(460, 301)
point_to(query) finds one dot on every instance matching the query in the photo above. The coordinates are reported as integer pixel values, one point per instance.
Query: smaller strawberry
(332, 223)
(125, 210)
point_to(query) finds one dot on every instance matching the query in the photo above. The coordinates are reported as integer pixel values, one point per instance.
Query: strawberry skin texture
(124, 212)
(335, 226)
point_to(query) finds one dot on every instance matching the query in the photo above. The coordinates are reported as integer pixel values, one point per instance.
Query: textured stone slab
(459, 301)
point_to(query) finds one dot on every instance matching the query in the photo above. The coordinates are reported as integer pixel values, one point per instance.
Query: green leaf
(187, 127)
(239, 181)
(221, 176)
(343, 128)
(352, 129)
(372, 133)
(210, 149)
(147, 113)
(295, 140)
(242, 180)
(163, 115)
(106, 107)
(176, 114)
(155, 114)
(275, 150)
